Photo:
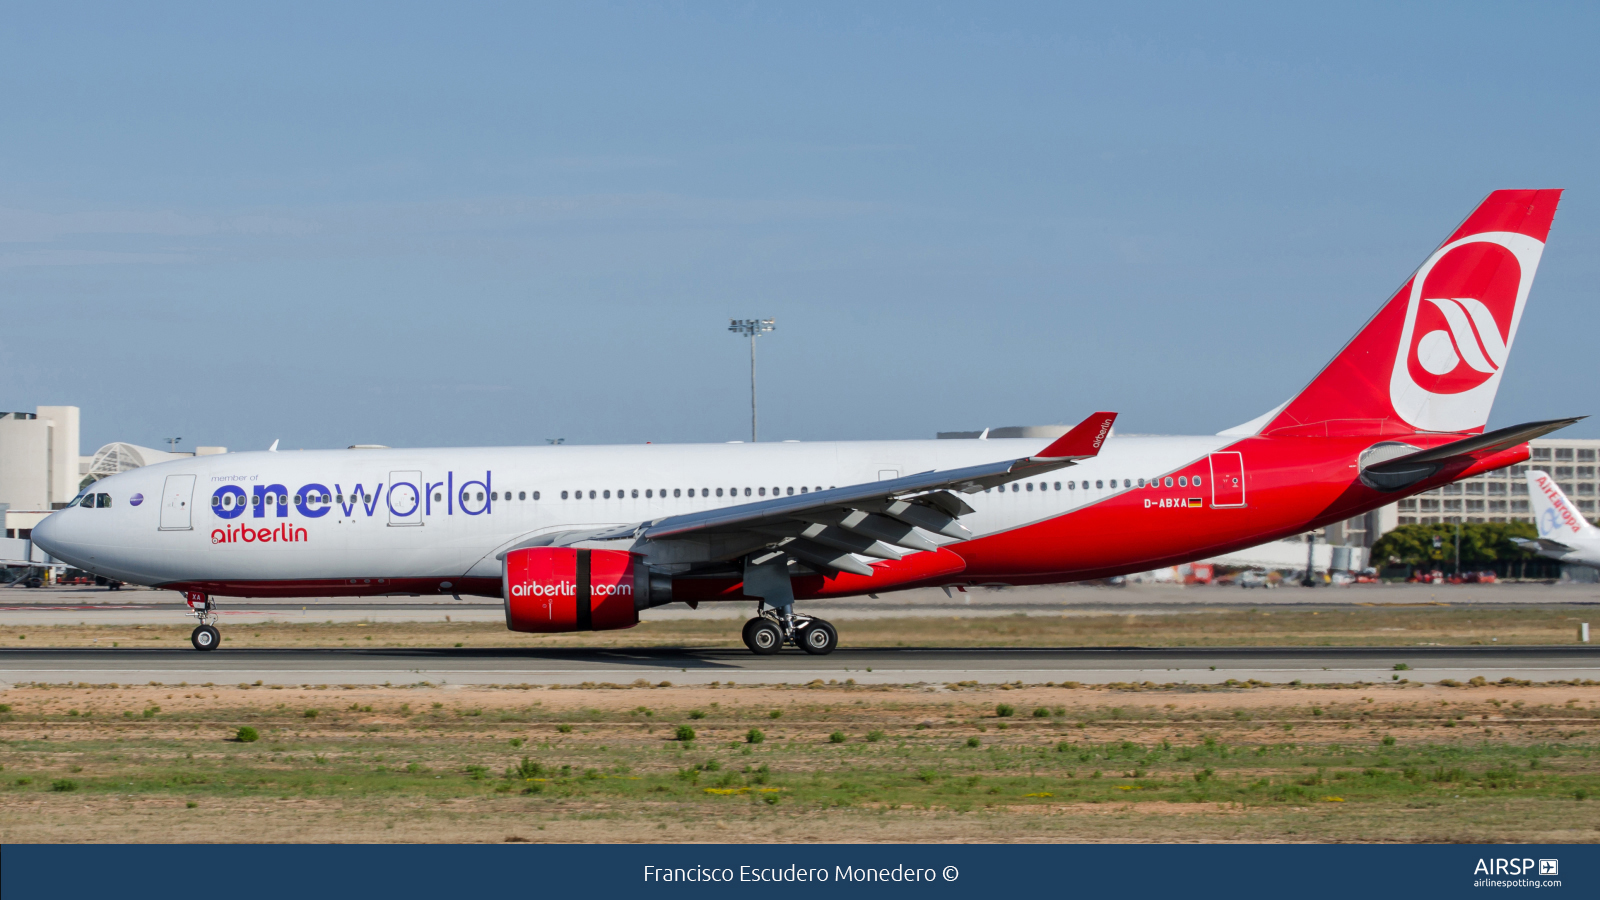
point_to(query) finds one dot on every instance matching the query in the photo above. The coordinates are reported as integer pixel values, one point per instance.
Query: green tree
(1481, 544)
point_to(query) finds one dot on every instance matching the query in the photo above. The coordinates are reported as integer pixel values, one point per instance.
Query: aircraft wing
(825, 529)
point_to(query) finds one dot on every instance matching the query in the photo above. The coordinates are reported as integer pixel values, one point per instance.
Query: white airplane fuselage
(443, 514)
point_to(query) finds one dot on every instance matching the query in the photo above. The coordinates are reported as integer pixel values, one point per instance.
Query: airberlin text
(569, 589)
(236, 534)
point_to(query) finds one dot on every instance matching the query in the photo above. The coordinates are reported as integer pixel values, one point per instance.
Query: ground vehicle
(1254, 578)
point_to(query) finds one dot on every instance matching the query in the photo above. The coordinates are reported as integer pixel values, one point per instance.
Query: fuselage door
(405, 498)
(1227, 478)
(177, 503)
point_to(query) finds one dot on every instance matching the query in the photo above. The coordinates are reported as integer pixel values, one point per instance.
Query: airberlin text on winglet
(1085, 439)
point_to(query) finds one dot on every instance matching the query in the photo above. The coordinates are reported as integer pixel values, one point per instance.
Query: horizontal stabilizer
(1403, 471)
(1542, 544)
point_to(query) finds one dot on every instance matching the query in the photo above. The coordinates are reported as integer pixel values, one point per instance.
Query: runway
(1322, 665)
(73, 605)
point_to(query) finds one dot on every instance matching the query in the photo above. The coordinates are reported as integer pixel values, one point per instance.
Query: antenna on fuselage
(273, 448)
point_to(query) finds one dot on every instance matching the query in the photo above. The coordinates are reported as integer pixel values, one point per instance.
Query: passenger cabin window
(1099, 484)
(1182, 481)
(1169, 481)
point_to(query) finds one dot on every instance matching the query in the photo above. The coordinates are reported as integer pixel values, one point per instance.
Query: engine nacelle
(556, 589)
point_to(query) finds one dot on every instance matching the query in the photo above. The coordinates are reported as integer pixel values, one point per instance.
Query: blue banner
(311, 872)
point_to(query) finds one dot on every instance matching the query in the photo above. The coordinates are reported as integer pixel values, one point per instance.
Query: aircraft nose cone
(47, 535)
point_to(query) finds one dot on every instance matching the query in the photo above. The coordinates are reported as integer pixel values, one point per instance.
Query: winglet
(1083, 441)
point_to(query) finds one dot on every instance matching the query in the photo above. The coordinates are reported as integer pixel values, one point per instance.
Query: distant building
(41, 470)
(39, 457)
(1502, 495)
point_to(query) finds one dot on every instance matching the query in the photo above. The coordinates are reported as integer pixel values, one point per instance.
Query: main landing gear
(205, 635)
(766, 634)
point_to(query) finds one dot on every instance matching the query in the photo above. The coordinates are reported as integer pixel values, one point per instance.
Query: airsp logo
(1500, 866)
(1464, 307)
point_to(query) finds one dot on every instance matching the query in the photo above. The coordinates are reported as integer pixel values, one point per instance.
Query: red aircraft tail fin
(1432, 357)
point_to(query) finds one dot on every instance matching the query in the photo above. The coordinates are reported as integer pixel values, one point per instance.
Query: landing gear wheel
(762, 637)
(819, 638)
(205, 637)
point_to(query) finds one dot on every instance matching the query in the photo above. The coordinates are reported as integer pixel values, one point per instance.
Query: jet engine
(556, 589)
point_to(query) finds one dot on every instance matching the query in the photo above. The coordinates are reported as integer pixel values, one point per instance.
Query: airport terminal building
(1502, 495)
(41, 469)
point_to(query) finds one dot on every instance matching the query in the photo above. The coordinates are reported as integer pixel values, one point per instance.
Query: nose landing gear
(205, 635)
(766, 634)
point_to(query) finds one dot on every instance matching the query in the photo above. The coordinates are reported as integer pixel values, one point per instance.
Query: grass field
(964, 762)
(1388, 626)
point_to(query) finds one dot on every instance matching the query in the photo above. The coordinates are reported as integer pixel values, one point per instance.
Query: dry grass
(1323, 763)
(1392, 626)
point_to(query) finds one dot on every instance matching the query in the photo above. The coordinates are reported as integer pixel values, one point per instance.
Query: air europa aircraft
(577, 538)
(1564, 533)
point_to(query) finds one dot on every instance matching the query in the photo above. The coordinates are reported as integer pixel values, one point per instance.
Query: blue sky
(459, 224)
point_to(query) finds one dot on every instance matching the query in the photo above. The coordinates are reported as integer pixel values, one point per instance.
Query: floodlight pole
(754, 328)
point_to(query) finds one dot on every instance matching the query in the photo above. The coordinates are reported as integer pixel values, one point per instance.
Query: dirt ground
(825, 762)
(1423, 623)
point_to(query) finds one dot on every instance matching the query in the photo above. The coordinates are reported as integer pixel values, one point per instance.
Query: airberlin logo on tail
(1462, 311)
(1471, 337)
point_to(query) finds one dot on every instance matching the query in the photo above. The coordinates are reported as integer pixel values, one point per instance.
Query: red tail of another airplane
(1432, 357)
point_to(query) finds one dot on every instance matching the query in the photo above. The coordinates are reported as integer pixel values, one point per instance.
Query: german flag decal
(1196, 503)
